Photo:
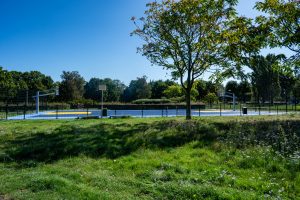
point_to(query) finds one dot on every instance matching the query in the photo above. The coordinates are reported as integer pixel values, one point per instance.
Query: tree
(210, 98)
(282, 23)
(137, 89)
(72, 86)
(188, 37)
(173, 91)
(232, 86)
(36, 81)
(158, 87)
(296, 89)
(113, 93)
(265, 76)
(244, 91)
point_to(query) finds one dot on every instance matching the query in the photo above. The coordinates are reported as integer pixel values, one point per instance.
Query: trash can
(245, 111)
(104, 112)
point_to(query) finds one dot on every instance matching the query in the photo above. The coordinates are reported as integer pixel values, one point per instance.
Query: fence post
(240, 109)
(199, 110)
(277, 108)
(56, 112)
(24, 112)
(162, 112)
(167, 112)
(259, 109)
(176, 111)
(115, 112)
(220, 109)
(87, 111)
(142, 112)
(6, 112)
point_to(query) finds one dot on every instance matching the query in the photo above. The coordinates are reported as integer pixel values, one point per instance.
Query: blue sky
(89, 36)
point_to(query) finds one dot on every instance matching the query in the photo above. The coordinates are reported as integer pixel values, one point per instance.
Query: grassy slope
(138, 159)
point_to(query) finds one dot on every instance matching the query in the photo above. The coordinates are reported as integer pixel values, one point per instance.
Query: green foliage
(211, 158)
(296, 89)
(158, 87)
(114, 92)
(211, 98)
(71, 86)
(151, 101)
(265, 76)
(173, 91)
(12, 82)
(282, 22)
(187, 37)
(137, 89)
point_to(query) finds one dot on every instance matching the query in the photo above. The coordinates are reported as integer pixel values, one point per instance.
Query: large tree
(283, 24)
(187, 37)
(265, 76)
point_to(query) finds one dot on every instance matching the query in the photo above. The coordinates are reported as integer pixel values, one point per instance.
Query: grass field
(207, 158)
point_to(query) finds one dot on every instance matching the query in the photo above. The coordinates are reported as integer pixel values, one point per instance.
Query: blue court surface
(73, 114)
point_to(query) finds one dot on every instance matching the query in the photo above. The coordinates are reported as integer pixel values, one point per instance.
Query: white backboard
(102, 87)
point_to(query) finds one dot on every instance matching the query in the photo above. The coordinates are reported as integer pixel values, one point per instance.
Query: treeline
(263, 84)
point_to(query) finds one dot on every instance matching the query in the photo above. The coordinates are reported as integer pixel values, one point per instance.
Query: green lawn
(167, 158)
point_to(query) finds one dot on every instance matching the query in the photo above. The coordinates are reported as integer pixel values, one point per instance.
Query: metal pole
(167, 111)
(102, 103)
(24, 112)
(233, 96)
(37, 102)
(56, 111)
(26, 100)
(6, 112)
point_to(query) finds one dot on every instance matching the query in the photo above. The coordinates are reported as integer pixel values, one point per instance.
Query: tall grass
(208, 158)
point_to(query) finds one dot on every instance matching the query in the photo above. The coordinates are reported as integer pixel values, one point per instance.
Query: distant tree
(36, 81)
(265, 76)
(137, 89)
(158, 87)
(296, 89)
(173, 91)
(233, 87)
(13, 84)
(211, 98)
(200, 86)
(287, 82)
(244, 91)
(71, 86)
(188, 37)
(113, 93)
(7, 85)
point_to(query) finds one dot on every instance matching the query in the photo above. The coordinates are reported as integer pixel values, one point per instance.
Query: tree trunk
(188, 105)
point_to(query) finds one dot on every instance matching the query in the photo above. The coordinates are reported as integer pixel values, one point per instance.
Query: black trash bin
(245, 111)
(104, 112)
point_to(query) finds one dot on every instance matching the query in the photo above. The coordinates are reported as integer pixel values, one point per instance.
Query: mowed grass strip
(207, 158)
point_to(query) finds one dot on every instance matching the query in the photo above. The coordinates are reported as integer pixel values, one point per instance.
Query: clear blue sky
(89, 36)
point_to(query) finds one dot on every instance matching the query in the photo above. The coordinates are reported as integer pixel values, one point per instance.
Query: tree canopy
(188, 37)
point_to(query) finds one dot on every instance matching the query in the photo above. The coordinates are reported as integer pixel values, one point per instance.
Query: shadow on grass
(102, 140)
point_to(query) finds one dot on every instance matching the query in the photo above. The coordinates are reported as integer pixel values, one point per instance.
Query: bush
(81, 103)
(151, 101)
